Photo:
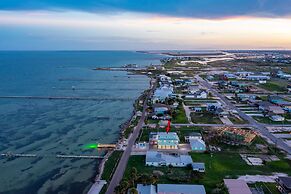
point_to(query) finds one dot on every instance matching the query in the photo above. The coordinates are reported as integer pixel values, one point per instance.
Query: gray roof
(286, 181)
(236, 186)
(180, 189)
(199, 165)
(154, 156)
(197, 143)
(146, 189)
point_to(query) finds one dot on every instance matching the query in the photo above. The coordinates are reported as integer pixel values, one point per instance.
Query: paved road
(260, 127)
(209, 125)
(222, 125)
(118, 174)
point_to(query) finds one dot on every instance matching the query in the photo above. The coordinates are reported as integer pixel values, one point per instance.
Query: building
(170, 189)
(257, 77)
(162, 93)
(164, 140)
(192, 89)
(199, 167)
(154, 158)
(161, 109)
(243, 74)
(193, 135)
(146, 189)
(270, 108)
(277, 118)
(279, 101)
(197, 145)
(229, 76)
(180, 189)
(236, 186)
(284, 184)
(232, 135)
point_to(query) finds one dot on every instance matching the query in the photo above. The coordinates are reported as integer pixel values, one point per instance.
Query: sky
(144, 24)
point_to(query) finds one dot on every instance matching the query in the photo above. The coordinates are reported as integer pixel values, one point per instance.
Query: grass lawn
(266, 187)
(110, 165)
(273, 87)
(224, 165)
(139, 163)
(205, 118)
(218, 167)
(236, 120)
(109, 168)
(180, 116)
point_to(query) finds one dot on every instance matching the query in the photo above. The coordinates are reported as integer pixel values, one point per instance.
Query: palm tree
(153, 179)
(133, 177)
(144, 178)
(133, 191)
(124, 186)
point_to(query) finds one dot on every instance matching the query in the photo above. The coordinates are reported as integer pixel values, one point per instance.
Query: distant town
(217, 122)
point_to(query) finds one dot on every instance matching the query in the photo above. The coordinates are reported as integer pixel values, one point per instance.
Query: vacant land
(179, 116)
(207, 118)
(273, 87)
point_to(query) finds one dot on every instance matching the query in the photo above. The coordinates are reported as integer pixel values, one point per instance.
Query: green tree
(133, 191)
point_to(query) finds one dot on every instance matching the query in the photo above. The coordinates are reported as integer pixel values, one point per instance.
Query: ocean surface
(49, 127)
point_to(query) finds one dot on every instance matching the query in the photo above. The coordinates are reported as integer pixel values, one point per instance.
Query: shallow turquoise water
(50, 127)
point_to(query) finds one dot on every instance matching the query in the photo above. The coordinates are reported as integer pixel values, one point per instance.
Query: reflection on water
(50, 127)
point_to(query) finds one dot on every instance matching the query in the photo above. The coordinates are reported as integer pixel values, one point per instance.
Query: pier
(60, 156)
(64, 98)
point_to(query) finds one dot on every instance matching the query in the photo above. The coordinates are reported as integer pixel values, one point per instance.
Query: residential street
(260, 127)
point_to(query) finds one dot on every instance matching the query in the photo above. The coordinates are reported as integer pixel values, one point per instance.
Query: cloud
(175, 8)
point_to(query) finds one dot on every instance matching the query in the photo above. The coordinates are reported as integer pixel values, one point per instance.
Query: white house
(277, 118)
(154, 158)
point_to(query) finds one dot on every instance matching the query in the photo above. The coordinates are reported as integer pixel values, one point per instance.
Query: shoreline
(122, 129)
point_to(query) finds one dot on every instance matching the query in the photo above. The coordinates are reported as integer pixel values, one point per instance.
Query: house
(170, 189)
(180, 189)
(229, 76)
(193, 135)
(243, 74)
(284, 184)
(198, 166)
(146, 189)
(278, 101)
(199, 107)
(197, 145)
(270, 108)
(257, 77)
(277, 118)
(283, 75)
(162, 93)
(154, 158)
(236, 186)
(160, 109)
(212, 107)
(247, 97)
(192, 89)
(164, 140)
(201, 94)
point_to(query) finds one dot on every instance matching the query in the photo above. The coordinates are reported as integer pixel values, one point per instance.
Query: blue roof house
(197, 145)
